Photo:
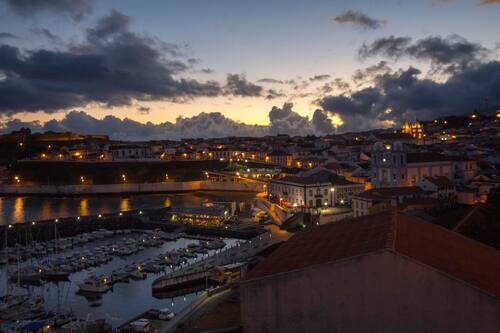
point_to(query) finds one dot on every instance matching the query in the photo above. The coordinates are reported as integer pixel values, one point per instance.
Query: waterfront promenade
(129, 188)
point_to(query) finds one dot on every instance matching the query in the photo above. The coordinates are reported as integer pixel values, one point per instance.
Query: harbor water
(124, 301)
(21, 209)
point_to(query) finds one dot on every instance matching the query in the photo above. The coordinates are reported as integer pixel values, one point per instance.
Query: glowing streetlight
(17, 179)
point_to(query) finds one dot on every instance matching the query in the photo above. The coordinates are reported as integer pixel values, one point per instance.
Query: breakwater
(38, 231)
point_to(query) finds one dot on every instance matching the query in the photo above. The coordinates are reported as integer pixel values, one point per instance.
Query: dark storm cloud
(113, 67)
(271, 94)
(321, 122)
(392, 47)
(285, 121)
(47, 34)
(359, 20)
(109, 25)
(337, 85)
(409, 96)
(270, 80)
(321, 77)
(443, 53)
(237, 85)
(207, 71)
(143, 110)
(7, 35)
(76, 9)
(369, 73)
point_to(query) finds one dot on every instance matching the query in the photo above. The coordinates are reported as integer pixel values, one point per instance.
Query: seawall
(166, 187)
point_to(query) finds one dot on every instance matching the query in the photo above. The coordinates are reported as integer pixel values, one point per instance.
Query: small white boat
(165, 314)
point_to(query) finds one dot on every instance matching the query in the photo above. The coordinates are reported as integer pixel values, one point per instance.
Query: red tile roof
(391, 192)
(427, 158)
(441, 182)
(432, 245)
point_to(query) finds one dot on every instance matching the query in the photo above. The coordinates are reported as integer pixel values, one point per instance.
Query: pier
(197, 271)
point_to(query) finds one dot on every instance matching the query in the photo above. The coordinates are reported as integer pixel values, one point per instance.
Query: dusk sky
(130, 68)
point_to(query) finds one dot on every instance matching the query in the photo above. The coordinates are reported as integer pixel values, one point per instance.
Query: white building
(381, 199)
(322, 189)
(393, 166)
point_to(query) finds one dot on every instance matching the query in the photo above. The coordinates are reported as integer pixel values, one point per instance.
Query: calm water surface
(21, 209)
(124, 301)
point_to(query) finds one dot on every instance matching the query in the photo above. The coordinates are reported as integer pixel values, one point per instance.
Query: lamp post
(332, 195)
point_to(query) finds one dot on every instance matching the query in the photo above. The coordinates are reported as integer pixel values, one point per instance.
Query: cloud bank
(205, 125)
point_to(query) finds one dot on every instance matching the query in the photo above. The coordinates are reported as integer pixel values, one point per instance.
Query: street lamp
(124, 178)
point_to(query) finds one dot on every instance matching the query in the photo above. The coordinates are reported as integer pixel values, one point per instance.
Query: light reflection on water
(18, 212)
(21, 209)
(123, 302)
(126, 300)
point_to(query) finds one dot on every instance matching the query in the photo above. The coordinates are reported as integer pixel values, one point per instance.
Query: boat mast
(7, 291)
(55, 235)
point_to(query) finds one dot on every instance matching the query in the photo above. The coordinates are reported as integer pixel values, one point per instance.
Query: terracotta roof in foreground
(434, 246)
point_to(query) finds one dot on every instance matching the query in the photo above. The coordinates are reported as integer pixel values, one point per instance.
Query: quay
(132, 188)
(30, 231)
(198, 271)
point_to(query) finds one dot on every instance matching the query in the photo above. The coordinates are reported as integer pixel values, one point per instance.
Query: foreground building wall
(379, 292)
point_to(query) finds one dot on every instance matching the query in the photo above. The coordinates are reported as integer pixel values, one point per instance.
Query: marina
(79, 271)
(96, 287)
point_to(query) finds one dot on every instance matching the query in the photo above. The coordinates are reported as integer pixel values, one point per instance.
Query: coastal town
(439, 177)
(249, 166)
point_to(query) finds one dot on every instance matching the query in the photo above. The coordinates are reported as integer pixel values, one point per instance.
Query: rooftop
(440, 181)
(429, 244)
(322, 177)
(427, 157)
(391, 192)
